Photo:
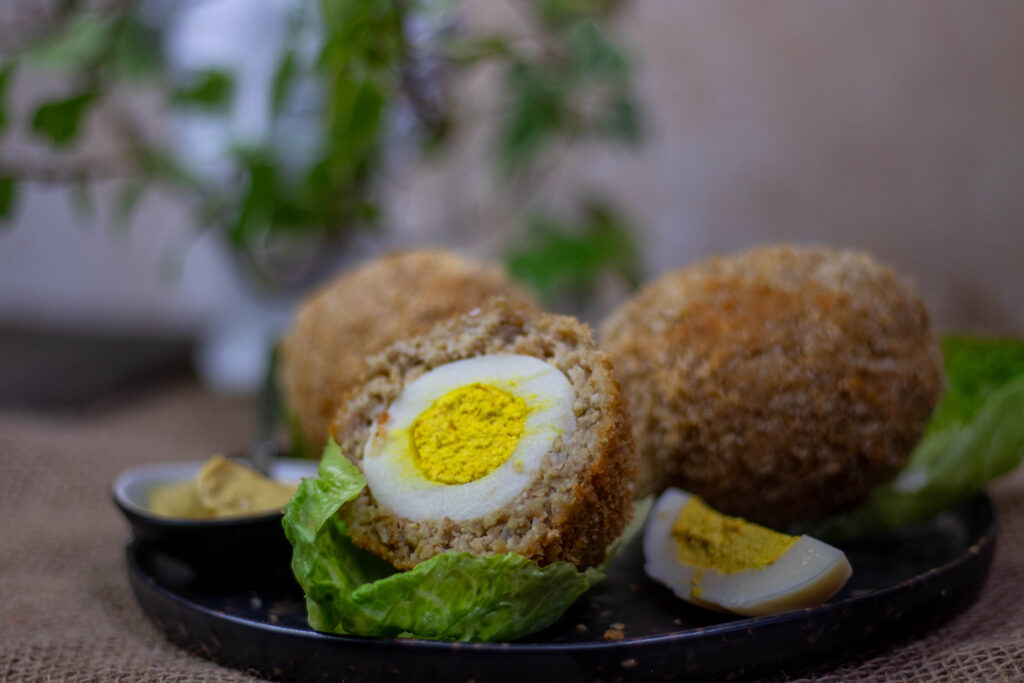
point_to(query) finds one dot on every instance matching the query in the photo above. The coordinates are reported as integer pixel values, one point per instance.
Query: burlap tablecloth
(68, 614)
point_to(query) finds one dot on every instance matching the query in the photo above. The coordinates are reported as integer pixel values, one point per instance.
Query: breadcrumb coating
(779, 384)
(364, 310)
(581, 500)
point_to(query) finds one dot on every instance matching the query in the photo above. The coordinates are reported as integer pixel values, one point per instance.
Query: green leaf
(975, 435)
(466, 50)
(536, 111)
(282, 81)
(136, 53)
(338, 481)
(158, 162)
(621, 120)
(453, 596)
(8, 195)
(581, 87)
(80, 42)
(562, 13)
(359, 109)
(210, 90)
(560, 258)
(6, 76)
(260, 197)
(59, 121)
(975, 367)
(459, 596)
(361, 66)
(594, 55)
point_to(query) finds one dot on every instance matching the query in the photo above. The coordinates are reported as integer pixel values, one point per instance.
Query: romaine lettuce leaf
(975, 367)
(453, 596)
(975, 435)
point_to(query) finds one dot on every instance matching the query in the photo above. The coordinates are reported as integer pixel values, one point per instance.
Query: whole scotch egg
(780, 384)
(501, 430)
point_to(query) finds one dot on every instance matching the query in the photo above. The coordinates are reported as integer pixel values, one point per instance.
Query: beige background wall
(893, 126)
(897, 127)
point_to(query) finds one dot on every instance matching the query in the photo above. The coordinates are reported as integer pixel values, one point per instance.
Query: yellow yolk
(708, 539)
(468, 433)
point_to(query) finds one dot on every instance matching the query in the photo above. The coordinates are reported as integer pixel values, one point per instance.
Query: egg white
(807, 574)
(388, 458)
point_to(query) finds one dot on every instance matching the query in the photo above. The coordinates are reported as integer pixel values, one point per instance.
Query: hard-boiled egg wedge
(726, 563)
(466, 438)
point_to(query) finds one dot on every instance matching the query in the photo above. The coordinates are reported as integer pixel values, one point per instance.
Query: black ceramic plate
(627, 628)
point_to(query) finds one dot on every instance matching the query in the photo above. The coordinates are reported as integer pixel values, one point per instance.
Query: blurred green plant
(563, 260)
(564, 80)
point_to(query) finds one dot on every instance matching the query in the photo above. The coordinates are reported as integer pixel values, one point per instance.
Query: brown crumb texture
(581, 500)
(780, 384)
(365, 310)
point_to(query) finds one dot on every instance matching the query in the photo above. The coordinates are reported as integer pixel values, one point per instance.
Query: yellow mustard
(468, 433)
(223, 488)
(710, 540)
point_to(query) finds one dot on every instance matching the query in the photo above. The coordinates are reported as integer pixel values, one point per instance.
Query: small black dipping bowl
(253, 547)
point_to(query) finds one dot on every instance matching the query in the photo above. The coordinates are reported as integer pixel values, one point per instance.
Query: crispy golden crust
(582, 499)
(780, 384)
(365, 310)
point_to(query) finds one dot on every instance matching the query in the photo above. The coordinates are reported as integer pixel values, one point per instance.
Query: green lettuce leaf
(975, 368)
(453, 596)
(975, 435)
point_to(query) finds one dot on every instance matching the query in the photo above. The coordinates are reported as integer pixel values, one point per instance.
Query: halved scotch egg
(501, 430)
(726, 563)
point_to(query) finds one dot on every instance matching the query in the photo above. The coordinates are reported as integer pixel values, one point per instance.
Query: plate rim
(980, 550)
